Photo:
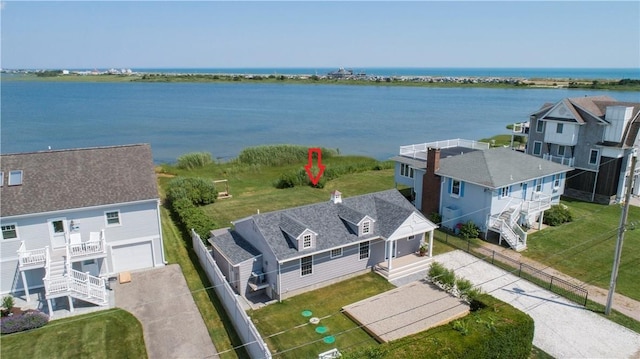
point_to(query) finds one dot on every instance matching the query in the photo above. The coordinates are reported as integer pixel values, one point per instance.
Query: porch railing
(95, 245)
(541, 202)
(568, 161)
(76, 283)
(32, 257)
(419, 151)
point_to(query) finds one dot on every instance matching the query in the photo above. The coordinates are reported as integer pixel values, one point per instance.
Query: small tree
(469, 230)
(8, 302)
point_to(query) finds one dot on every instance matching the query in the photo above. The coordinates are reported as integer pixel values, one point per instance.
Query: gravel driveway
(562, 328)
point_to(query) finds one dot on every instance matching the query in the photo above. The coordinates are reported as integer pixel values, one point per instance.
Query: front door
(58, 232)
(394, 249)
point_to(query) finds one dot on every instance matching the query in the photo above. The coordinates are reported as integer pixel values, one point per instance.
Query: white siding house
(302, 248)
(77, 217)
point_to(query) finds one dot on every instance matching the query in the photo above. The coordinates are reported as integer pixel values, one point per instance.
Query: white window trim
(336, 256)
(106, 219)
(15, 225)
(504, 192)
(304, 243)
(411, 237)
(308, 274)
(368, 227)
(597, 156)
(368, 251)
(1, 178)
(559, 127)
(537, 126)
(539, 185)
(21, 179)
(533, 150)
(564, 150)
(406, 170)
(453, 182)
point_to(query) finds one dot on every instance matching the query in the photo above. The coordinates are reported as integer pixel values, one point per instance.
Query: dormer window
(366, 227)
(307, 241)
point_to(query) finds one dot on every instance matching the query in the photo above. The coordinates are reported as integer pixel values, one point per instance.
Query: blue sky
(319, 34)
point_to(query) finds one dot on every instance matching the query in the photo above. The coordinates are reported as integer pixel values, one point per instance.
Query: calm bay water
(223, 118)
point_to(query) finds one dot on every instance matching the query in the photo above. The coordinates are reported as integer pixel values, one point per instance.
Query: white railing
(568, 161)
(513, 234)
(419, 151)
(542, 202)
(79, 284)
(32, 256)
(96, 245)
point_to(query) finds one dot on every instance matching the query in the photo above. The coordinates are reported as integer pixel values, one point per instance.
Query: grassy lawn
(283, 326)
(113, 333)
(585, 248)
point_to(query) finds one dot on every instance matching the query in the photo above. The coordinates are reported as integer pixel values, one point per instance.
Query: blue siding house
(284, 253)
(500, 190)
(73, 218)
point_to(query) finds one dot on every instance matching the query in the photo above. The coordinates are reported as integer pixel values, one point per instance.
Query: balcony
(567, 161)
(94, 247)
(31, 258)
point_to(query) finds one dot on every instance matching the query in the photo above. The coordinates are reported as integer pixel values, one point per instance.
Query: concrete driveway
(562, 328)
(162, 302)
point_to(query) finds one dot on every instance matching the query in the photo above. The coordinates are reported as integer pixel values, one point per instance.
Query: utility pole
(621, 230)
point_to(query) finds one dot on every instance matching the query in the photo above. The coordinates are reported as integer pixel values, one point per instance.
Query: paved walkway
(624, 305)
(562, 328)
(162, 302)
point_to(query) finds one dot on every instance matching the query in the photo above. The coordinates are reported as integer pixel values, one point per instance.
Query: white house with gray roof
(287, 252)
(498, 189)
(72, 218)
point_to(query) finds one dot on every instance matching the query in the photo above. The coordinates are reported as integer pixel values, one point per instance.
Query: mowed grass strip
(113, 333)
(585, 247)
(290, 335)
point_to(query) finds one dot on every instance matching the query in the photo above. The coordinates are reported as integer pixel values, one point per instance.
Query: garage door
(132, 256)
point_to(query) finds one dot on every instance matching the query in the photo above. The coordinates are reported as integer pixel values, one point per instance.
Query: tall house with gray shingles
(72, 218)
(596, 135)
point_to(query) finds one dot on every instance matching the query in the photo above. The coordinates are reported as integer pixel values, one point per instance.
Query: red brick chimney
(431, 183)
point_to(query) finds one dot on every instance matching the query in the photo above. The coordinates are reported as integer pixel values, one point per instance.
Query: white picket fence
(255, 346)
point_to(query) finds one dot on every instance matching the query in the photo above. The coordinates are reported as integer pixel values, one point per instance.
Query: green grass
(584, 248)
(113, 333)
(288, 333)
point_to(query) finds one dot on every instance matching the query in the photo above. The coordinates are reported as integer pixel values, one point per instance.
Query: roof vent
(336, 197)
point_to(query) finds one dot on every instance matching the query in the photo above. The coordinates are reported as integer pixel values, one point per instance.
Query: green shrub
(461, 326)
(469, 230)
(557, 215)
(448, 279)
(194, 160)
(435, 217)
(198, 190)
(7, 302)
(436, 270)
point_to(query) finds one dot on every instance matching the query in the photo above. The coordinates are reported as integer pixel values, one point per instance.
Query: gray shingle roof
(291, 226)
(388, 208)
(498, 167)
(77, 178)
(233, 246)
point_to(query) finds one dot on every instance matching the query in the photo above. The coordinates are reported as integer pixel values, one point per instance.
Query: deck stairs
(61, 280)
(506, 224)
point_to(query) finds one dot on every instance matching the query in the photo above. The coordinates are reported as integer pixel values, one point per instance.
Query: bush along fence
(185, 195)
(537, 276)
(255, 346)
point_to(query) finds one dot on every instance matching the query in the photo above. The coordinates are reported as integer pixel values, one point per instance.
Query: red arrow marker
(315, 178)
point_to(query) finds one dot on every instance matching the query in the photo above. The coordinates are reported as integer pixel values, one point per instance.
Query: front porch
(60, 306)
(404, 266)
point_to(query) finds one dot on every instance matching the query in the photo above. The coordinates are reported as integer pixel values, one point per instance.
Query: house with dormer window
(287, 252)
(596, 135)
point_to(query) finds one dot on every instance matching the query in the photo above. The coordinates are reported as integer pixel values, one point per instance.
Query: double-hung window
(306, 266)
(306, 241)
(504, 192)
(593, 157)
(539, 126)
(366, 227)
(406, 170)
(559, 127)
(335, 253)
(561, 150)
(537, 148)
(364, 250)
(455, 188)
(112, 218)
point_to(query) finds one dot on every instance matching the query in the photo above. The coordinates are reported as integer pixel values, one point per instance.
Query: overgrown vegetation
(557, 215)
(185, 195)
(339, 166)
(279, 155)
(446, 279)
(194, 160)
(469, 230)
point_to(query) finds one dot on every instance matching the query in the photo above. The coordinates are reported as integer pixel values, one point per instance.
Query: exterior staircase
(61, 280)
(506, 224)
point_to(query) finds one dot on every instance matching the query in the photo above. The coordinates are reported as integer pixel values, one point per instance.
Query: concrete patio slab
(406, 310)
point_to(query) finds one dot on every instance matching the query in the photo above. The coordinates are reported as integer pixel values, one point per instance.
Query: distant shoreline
(357, 79)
